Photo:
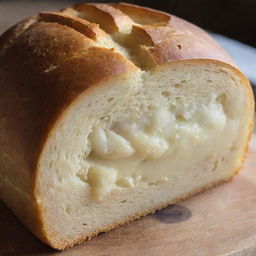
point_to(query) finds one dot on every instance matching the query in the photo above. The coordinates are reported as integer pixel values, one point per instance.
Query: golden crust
(41, 59)
(184, 41)
(172, 38)
(84, 27)
(50, 78)
(11, 34)
(110, 19)
(143, 15)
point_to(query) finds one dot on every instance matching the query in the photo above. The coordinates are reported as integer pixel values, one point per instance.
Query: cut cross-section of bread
(110, 112)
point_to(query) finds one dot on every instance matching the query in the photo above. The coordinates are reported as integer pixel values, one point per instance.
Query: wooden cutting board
(221, 221)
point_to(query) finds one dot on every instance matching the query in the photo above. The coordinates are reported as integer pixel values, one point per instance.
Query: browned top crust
(42, 58)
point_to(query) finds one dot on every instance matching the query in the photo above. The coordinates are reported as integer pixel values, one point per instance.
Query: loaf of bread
(109, 112)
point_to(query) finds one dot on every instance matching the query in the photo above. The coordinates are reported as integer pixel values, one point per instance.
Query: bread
(109, 112)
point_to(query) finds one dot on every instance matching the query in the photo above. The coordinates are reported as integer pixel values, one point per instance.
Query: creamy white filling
(146, 150)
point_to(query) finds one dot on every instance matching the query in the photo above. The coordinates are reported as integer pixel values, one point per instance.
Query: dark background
(233, 18)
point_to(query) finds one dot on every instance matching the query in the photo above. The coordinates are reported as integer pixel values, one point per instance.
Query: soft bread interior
(139, 142)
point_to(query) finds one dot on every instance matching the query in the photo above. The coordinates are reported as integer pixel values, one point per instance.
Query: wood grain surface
(221, 221)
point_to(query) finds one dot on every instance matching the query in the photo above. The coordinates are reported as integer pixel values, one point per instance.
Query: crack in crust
(149, 37)
(84, 27)
(124, 24)
(110, 19)
(144, 36)
(144, 15)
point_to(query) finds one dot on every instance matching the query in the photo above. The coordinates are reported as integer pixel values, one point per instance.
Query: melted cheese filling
(147, 150)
